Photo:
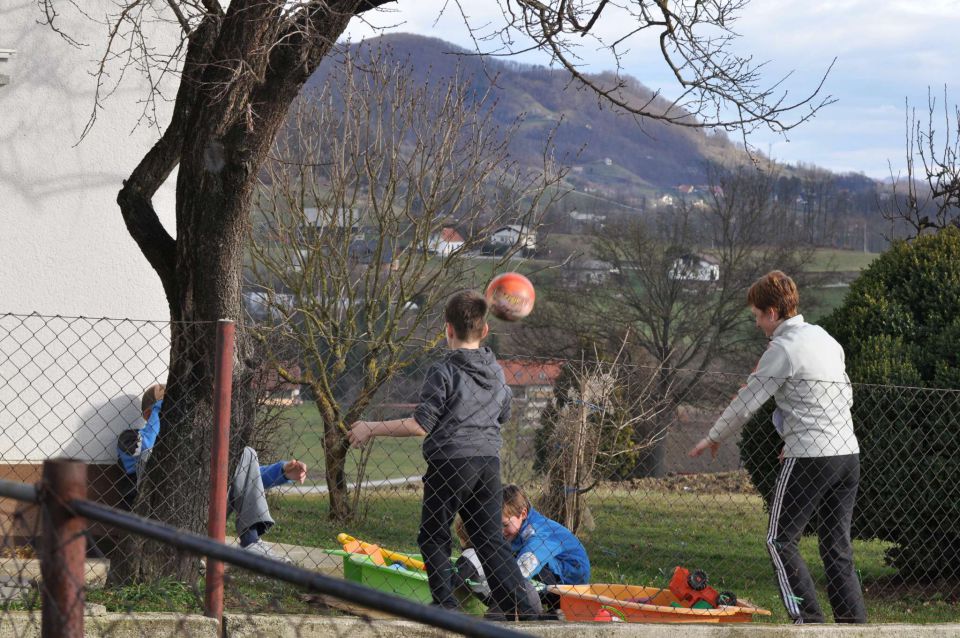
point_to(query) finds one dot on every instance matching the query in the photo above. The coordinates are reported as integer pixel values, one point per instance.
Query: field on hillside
(832, 260)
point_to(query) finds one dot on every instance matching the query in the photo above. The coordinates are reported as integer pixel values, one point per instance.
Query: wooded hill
(611, 153)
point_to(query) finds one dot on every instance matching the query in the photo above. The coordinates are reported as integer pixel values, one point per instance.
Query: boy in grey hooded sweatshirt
(464, 402)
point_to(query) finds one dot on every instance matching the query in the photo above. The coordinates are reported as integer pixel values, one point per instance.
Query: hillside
(615, 157)
(611, 151)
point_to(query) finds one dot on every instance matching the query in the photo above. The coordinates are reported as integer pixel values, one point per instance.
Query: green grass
(817, 303)
(243, 591)
(830, 259)
(167, 596)
(387, 457)
(639, 538)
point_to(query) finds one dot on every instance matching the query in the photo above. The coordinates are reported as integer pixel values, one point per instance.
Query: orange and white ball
(510, 296)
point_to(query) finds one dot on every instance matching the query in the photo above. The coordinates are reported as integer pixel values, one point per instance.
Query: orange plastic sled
(601, 602)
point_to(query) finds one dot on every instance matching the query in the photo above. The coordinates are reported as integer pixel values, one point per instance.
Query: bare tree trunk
(335, 446)
(221, 130)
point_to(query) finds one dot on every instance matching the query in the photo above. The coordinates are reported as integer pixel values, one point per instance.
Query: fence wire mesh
(594, 457)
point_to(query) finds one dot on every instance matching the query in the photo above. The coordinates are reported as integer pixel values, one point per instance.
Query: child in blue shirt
(250, 479)
(547, 552)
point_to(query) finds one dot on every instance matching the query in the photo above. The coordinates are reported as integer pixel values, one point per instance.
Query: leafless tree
(598, 409)
(718, 88)
(234, 70)
(364, 198)
(931, 200)
(680, 284)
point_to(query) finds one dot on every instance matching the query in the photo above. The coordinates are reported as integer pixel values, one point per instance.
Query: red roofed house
(275, 389)
(532, 384)
(447, 241)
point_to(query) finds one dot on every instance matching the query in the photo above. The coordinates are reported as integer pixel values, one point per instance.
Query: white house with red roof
(445, 242)
(532, 383)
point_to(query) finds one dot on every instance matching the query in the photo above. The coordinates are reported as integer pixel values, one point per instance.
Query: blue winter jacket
(543, 542)
(271, 475)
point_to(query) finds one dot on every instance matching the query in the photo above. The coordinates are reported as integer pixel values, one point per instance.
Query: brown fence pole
(219, 449)
(64, 550)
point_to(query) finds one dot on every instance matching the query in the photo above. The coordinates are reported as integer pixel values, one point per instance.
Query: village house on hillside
(342, 221)
(506, 237)
(695, 268)
(532, 383)
(445, 242)
(587, 272)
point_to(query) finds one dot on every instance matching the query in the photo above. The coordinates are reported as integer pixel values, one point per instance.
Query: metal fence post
(64, 551)
(219, 450)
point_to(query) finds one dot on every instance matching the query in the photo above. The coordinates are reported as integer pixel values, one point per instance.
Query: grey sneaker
(262, 549)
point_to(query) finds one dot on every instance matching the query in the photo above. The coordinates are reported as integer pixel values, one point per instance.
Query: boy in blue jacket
(546, 551)
(250, 479)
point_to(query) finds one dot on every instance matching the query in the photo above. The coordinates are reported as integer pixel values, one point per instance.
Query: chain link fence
(602, 449)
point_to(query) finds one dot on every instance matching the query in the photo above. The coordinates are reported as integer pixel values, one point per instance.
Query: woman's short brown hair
(775, 290)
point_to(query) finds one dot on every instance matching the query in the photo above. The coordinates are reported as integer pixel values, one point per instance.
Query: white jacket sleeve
(772, 371)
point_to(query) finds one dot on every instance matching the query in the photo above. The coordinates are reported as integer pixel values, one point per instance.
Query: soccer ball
(510, 296)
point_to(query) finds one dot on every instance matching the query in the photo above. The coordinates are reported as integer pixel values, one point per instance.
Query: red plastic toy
(690, 587)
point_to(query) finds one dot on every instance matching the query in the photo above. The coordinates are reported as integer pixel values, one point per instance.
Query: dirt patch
(736, 482)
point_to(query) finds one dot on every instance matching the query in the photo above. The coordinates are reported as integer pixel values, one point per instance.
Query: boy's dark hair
(775, 290)
(514, 500)
(466, 311)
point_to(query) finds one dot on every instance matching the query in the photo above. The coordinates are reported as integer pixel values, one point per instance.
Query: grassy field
(829, 259)
(816, 303)
(638, 539)
(387, 458)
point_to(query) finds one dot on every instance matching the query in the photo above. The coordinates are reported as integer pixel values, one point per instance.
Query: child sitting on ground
(546, 551)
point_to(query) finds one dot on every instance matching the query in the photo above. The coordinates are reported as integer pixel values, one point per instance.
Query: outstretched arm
(283, 472)
(772, 371)
(363, 431)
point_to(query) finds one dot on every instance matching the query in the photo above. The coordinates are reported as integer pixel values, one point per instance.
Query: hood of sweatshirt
(478, 364)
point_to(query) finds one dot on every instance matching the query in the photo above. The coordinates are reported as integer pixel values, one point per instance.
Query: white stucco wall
(63, 245)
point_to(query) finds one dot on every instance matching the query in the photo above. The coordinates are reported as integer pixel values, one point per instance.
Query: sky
(887, 53)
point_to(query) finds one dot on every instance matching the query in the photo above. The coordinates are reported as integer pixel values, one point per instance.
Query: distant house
(532, 384)
(587, 218)
(693, 267)
(588, 272)
(666, 200)
(445, 242)
(367, 251)
(507, 237)
(263, 305)
(685, 189)
(274, 389)
(342, 221)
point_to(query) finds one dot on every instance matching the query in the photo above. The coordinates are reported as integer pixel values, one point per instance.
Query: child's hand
(295, 470)
(360, 433)
(704, 444)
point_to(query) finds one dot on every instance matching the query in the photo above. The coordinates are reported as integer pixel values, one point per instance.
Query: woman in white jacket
(803, 370)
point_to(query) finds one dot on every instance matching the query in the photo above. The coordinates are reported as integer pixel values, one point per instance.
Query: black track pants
(825, 490)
